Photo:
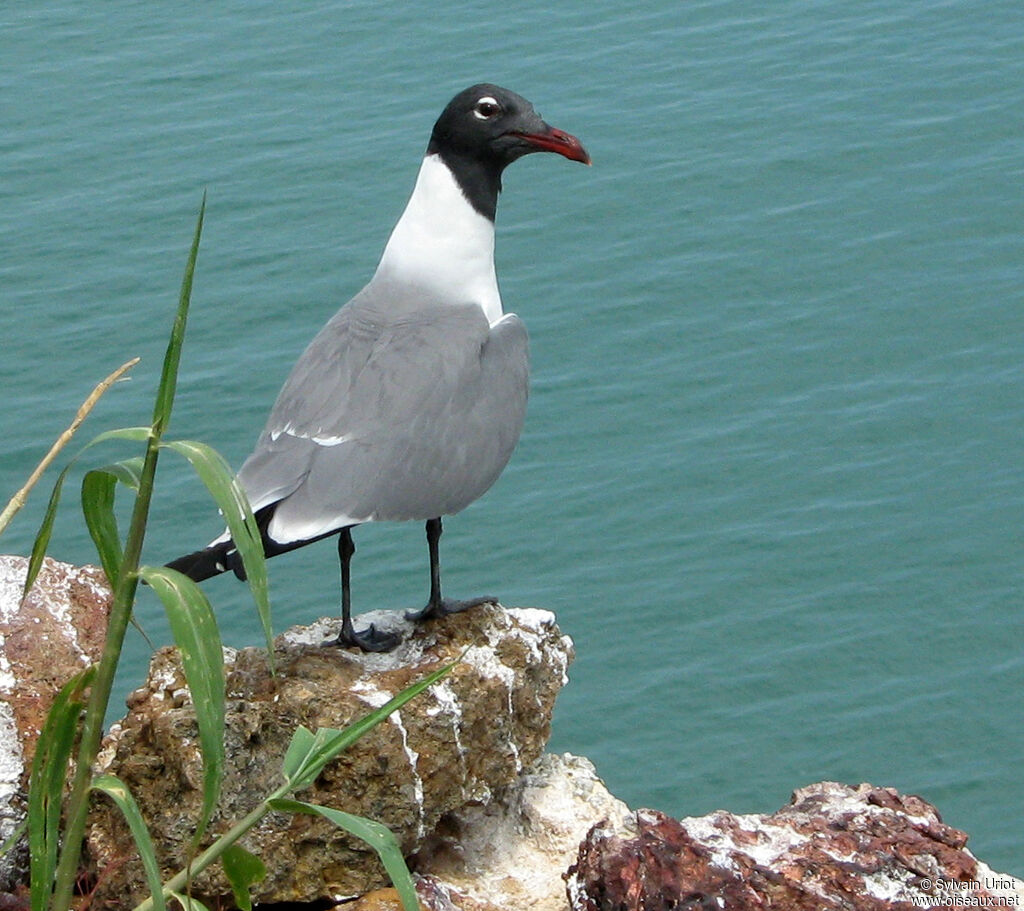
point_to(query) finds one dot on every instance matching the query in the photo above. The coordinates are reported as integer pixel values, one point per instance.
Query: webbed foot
(445, 606)
(370, 639)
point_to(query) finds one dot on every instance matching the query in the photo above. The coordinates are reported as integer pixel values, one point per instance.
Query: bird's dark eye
(486, 108)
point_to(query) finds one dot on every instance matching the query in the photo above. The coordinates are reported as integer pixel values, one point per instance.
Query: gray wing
(405, 417)
(311, 402)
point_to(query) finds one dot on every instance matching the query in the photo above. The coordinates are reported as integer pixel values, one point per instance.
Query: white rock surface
(512, 852)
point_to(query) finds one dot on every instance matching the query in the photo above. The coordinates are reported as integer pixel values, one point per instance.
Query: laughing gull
(408, 403)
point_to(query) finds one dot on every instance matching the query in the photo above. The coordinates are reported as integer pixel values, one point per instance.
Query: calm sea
(771, 479)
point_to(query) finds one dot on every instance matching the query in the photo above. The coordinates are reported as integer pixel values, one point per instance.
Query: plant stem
(124, 598)
(18, 500)
(214, 852)
(99, 694)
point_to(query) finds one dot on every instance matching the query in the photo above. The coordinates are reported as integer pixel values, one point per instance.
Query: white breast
(442, 244)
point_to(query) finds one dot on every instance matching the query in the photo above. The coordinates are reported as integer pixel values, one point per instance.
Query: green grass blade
(202, 659)
(172, 357)
(130, 434)
(121, 607)
(299, 748)
(98, 488)
(219, 479)
(46, 785)
(188, 903)
(377, 836)
(19, 830)
(242, 868)
(98, 493)
(117, 791)
(42, 541)
(327, 743)
(128, 471)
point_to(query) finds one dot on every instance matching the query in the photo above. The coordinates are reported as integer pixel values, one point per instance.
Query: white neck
(442, 244)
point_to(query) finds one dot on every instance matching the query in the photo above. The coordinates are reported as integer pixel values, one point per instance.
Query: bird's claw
(446, 606)
(369, 640)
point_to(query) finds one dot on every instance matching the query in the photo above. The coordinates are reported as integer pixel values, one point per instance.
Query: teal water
(771, 479)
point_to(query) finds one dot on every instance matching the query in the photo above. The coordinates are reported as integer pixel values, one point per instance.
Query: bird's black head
(483, 130)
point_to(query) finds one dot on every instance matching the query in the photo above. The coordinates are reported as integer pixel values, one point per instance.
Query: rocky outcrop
(457, 744)
(486, 819)
(57, 631)
(513, 851)
(834, 846)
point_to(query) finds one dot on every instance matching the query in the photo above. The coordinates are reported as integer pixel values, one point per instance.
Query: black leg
(369, 640)
(434, 531)
(436, 605)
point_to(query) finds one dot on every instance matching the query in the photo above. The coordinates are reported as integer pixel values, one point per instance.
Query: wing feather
(385, 416)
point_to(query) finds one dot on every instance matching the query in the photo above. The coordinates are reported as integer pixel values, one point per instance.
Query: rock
(377, 900)
(56, 632)
(459, 776)
(513, 851)
(466, 738)
(834, 846)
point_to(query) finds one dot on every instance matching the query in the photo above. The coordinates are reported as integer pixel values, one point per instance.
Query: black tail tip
(209, 562)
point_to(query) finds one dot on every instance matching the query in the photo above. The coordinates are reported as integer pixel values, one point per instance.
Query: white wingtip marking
(316, 436)
(330, 441)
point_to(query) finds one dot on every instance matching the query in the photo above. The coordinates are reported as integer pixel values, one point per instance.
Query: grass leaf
(42, 541)
(16, 835)
(327, 743)
(298, 750)
(98, 492)
(46, 785)
(117, 791)
(172, 357)
(377, 836)
(219, 479)
(128, 471)
(188, 903)
(242, 868)
(202, 659)
(98, 488)
(121, 606)
(131, 434)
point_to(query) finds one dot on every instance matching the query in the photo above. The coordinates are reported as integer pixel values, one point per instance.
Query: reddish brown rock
(833, 847)
(57, 631)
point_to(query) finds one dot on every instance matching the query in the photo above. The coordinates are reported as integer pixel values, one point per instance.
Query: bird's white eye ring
(486, 108)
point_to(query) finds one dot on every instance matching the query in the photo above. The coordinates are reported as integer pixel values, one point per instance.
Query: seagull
(408, 403)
